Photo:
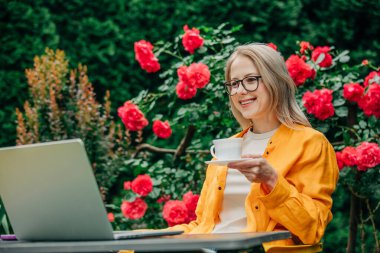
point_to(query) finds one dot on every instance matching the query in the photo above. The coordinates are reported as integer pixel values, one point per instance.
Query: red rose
(365, 62)
(298, 69)
(309, 100)
(353, 92)
(182, 74)
(111, 217)
(175, 212)
(191, 201)
(349, 156)
(127, 185)
(270, 44)
(132, 117)
(197, 74)
(321, 55)
(305, 46)
(151, 66)
(142, 185)
(339, 159)
(145, 57)
(185, 91)
(191, 40)
(370, 102)
(368, 155)
(325, 94)
(324, 111)
(134, 210)
(319, 103)
(162, 129)
(163, 198)
(373, 77)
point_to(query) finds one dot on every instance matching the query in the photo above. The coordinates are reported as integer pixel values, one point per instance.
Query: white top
(233, 217)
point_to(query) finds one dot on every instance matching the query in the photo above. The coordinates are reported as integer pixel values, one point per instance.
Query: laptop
(50, 193)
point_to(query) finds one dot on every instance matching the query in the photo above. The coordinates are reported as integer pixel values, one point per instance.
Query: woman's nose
(241, 89)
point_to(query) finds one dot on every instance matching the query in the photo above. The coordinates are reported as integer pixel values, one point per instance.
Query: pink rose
(368, 155)
(134, 210)
(175, 212)
(132, 117)
(145, 57)
(142, 185)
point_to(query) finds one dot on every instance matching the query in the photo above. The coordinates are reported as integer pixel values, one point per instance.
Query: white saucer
(225, 162)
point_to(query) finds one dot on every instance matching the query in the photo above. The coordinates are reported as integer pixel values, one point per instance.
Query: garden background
(101, 35)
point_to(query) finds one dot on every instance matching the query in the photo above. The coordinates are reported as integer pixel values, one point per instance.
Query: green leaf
(339, 102)
(346, 137)
(202, 50)
(324, 128)
(344, 59)
(337, 86)
(363, 124)
(130, 196)
(341, 112)
(155, 193)
(320, 58)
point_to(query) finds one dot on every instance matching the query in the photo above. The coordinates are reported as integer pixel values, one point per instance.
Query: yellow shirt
(300, 201)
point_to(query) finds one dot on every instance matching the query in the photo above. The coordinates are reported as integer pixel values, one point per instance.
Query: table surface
(184, 242)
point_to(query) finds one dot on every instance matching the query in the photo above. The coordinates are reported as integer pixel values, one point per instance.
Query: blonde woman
(287, 185)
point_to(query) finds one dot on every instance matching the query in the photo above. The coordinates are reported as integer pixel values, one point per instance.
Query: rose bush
(341, 100)
(160, 165)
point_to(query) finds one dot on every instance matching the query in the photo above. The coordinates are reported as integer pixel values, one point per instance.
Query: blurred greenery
(101, 33)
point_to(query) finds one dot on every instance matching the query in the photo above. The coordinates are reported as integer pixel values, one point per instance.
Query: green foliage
(101, 34)
(208, 113)
(63, 106)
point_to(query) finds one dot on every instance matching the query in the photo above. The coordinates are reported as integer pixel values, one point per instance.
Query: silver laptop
(50, 194)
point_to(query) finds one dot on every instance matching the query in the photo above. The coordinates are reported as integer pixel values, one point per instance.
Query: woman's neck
(264, 126)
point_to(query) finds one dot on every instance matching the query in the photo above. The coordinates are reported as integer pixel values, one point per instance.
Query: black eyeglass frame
(241, 82)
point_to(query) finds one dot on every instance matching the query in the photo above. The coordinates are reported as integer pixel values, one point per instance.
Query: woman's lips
(247, 102)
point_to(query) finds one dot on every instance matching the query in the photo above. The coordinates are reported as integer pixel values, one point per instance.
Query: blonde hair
(276, 78)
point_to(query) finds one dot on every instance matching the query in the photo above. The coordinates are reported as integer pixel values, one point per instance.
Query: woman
(287, 185)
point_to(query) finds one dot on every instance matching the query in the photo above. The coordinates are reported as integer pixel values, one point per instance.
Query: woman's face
(252, 105)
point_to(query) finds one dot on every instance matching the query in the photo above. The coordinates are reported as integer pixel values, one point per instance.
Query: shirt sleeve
(301, 200)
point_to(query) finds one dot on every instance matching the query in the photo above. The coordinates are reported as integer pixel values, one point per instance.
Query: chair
(293, 248)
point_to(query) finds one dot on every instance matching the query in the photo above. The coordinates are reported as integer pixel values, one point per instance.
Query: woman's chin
(248, 114)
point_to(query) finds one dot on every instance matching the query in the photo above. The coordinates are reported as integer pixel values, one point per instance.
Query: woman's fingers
(251, 156)
(246, 163)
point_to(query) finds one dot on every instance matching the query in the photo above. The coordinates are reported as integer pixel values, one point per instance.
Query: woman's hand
(257, 170)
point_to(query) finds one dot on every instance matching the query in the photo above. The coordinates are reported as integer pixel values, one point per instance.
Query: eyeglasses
(249, 83)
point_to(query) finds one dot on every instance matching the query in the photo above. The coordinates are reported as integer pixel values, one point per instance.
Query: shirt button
(270, 142)
(219, 188)
(257, 207)
(267, 153)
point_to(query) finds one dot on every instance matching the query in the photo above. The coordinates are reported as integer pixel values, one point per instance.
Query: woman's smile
(244, 103)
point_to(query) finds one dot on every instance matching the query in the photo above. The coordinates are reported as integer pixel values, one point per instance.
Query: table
(179, 243)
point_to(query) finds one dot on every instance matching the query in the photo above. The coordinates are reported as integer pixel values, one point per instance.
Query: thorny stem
(371, 216)
(155, 149)
(373, 211)
(174, 55)
(361, 226)
(351, 130)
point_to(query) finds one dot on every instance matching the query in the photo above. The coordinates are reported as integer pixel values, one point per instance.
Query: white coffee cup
(227, 149)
